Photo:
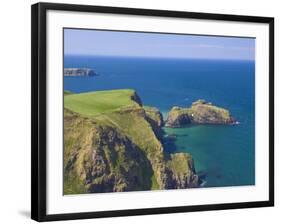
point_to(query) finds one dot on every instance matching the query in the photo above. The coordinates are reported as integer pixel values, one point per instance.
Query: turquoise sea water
(223, 155)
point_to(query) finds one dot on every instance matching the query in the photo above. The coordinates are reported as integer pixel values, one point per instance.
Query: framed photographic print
(139, 111)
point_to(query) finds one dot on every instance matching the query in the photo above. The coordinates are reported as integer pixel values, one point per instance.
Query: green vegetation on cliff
(94, 103)
(112, 143)
(99, 158)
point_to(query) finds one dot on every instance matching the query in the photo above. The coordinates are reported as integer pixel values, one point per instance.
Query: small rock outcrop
(155, 119)
(181, 171)
(79, 72)
(154, 114)
(200, 112)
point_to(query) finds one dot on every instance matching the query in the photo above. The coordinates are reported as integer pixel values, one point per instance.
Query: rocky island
(200, 112)
(112, 143)
(79, 72)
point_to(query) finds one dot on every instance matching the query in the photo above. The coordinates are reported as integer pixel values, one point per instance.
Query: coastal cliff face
(119, 149)
(200, 112)
(155, 119)
(79, 72)
(181, 171)
(102, 159)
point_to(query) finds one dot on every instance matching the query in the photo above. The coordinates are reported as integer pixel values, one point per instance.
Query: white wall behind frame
(15, 117)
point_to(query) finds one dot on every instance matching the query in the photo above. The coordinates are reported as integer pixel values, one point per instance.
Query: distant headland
(79, 72)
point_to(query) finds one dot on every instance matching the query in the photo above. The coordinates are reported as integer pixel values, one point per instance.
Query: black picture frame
(38, 108)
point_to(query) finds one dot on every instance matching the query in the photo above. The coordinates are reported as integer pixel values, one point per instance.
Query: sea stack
(200, 112)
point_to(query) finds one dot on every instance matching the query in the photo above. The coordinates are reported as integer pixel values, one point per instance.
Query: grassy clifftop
(99, 102)
(112, 143)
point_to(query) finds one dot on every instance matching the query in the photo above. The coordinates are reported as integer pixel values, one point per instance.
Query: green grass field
(99, 102)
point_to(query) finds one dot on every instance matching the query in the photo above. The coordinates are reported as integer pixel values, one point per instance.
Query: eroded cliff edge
(116, 146)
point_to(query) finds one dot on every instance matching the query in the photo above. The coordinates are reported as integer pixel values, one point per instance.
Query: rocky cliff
(200, 112)
(155, 119)
(121, 150)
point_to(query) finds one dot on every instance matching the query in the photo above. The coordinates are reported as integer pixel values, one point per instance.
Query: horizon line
(160, 57)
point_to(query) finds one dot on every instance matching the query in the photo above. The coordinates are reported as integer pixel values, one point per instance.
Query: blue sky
(113, 43)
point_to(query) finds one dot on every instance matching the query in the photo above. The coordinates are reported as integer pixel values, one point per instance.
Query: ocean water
(224, 155)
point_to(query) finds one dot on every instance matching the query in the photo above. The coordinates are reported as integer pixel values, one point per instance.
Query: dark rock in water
(200, 112)
(79, 72)
(218, 176)
(202, 174)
